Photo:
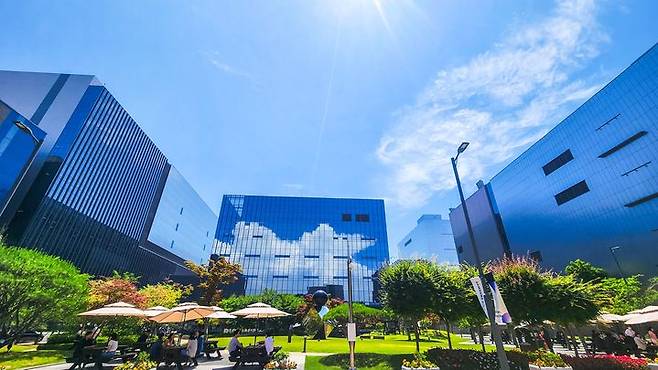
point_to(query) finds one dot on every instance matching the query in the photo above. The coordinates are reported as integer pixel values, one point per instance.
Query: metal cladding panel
(291, 243)
(613, 138)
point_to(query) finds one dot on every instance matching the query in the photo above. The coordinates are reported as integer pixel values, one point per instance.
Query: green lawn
(364, 361)
(22, 356)
(392, 345)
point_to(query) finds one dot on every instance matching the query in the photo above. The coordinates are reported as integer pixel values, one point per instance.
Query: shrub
(545, 359)
(141, 362)
(472, 360)
(606, 362)
(60, 338)
(419, 361)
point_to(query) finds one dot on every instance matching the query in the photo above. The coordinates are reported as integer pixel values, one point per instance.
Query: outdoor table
(210, 346)
(173, 355)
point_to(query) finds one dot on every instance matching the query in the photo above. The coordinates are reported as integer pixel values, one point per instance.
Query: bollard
(304, 351)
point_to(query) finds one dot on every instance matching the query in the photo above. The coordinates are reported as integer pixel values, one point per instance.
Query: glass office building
(97, 191)
(296, 245)
(589, 188)
(431, 239)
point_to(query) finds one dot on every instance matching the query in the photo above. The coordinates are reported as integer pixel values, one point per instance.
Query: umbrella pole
(256, 333)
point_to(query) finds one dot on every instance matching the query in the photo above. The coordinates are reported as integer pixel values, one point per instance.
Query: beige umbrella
(259, 311)
(154, 311)
(115, 309)
(647, 309)
(188, 311)
(643, 318)
(610, 318)
(220, 314)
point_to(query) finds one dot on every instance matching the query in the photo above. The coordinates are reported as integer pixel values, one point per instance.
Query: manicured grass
(22, 356)
(364, 361)
(392, 345)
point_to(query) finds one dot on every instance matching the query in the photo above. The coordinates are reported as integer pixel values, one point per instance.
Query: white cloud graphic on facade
(312, 255)
(501, 101)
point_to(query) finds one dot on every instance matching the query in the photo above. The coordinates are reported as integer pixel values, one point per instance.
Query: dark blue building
(295, 245)
(589, 188)
(90, 186)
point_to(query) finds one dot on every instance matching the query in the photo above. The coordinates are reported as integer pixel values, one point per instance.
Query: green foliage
(363, 314)
(213, 277)
(453, 298)
(165, 294)
(141, 362)
(35, 289)
(545, 359)
(285, 302)
(113, 289)
(585, 271)
(571, 301)
(627, 295)
(419, 361)
(408, 288)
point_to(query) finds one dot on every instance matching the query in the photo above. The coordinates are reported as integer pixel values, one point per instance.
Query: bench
(211, 347)
(92, 357)
(252, 355)
(377, 337)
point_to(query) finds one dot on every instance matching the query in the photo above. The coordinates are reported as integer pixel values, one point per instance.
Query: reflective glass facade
(592, 182)
(431, 239)
(291, 244)
(183, 223)
(19, 141)
(98, 192)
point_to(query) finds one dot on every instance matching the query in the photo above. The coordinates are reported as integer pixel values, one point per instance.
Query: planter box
(535, 367)
(653, 366)
(419, 368)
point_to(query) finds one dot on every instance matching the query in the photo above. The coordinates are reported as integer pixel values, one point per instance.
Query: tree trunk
(417, 331)
(512, 333)
(582, 340)
(570, 336)
(481, 335)
(448, 330)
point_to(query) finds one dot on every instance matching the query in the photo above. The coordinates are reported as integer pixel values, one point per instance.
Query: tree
(585, 271)
(167, 294)
(213, 277)
(113, 289)
(364, 315)
(625, 294)
(35, 289)
(407, 288)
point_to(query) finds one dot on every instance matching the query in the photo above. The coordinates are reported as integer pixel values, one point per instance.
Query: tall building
(431, 239)
(81, 180)
(589, 188)
(295, 245)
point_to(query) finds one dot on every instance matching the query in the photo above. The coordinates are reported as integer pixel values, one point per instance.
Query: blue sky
(352, 98)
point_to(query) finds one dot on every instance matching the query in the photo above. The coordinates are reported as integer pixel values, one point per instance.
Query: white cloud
(501, 101)
(214, 59)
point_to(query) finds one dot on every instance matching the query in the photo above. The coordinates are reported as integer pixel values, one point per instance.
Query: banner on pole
(502, 315)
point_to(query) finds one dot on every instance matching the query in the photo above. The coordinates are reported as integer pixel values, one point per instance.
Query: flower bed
(542, 359)
(420, 362)
(606, 362)
(473, 360)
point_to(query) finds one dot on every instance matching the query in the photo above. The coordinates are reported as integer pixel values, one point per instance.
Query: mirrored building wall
(293, 244)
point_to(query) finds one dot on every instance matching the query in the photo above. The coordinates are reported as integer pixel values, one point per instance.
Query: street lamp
(488, 296)
(614, 255)
(350, 324)
(23, 127)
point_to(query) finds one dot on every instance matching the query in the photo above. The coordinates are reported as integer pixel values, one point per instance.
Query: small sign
(351, 332)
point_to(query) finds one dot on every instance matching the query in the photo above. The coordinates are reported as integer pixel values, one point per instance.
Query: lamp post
(23, 127)
(350, 324)
(614, 256)
(488, 296)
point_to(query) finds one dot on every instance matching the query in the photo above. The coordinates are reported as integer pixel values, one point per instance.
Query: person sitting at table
(169, 342)
(269, 343)
(234, 346)
(155, 353)
(109, 352)
(141, 341)
(83, 340)
(653, 338)
(192, 344)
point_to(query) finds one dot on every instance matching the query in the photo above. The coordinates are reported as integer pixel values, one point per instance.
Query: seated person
(269, 344)
(155, 353)
(234, 346)
(192, 344)
(169, 342)
(109, 352)
(78, 348)
(141, 341)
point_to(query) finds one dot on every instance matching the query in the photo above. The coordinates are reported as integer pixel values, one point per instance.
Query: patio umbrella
(115, 309)
(609, 318)
(647, 309)
(154, 311)
(651, 317)
(188, 311)
(259, 311)
(220, 314)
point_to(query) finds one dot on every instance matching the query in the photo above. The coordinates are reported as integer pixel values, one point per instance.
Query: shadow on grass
(342, 360)
(14, 360)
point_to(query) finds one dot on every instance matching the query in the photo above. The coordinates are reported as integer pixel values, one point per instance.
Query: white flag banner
(502, 315)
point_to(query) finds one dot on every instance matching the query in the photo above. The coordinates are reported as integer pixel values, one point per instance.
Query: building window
(407, 242)
(225, 254)
(280, 276)
(641, 200)
(341, 257)
(177, 227)
(172, 244)
(460, 249)
(281, 256)
(646, 164)
(571, 192)
(367, 278)
(367, 238)
(623, 144)
(181, 210)
(557, 162)
(252, 255)
(311, 277)
(257, 236)
(204, 247)
(346, 217)
(608, 122)
(311, 256)
(251, 276)
(340, 277)
(362, 218)
(207, 232)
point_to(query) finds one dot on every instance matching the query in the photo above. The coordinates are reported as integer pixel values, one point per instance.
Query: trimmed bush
(606, 362)
(461, 359)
